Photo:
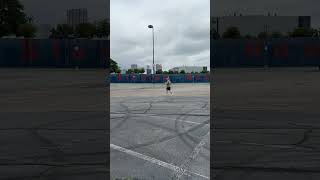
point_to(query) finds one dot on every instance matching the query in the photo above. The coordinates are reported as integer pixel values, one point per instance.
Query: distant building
(77, 16)
(189, 69)
(123, 71)
(149, 70)
(175, 69)
(158, 67)
(254, 24)
(134, 66)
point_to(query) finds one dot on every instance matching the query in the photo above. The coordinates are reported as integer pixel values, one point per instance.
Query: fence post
(265, 55)
(193, 79)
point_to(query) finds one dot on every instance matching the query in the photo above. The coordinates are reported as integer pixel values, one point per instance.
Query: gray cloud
(181, 27)
(188, 48)
(181, 32)
(54, 11)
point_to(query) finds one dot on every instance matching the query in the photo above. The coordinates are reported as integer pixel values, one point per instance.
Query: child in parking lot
(168, 85)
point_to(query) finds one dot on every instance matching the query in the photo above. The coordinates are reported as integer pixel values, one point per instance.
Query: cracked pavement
(53, 124)
(159, 136)
(265, 124)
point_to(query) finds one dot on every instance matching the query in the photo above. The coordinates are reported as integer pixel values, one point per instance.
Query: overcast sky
(181, 32)
(55, 11)
(281, 7)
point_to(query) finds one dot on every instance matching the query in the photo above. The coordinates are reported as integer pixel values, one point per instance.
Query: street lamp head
(150, 26)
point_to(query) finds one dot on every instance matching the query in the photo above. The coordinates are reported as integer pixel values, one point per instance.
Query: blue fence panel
(159, 78)
(40, 53)
(83, 53)
(273, 52)
(253, 53)
(311, 52)
(13, 53)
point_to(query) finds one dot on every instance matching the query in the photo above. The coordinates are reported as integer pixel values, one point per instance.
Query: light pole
(151, 26)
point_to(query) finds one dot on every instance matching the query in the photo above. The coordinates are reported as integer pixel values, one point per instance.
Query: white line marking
(132, 112)
(154, 161)
(185, 166)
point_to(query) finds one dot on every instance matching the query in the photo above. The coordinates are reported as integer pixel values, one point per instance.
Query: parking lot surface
(160, 136)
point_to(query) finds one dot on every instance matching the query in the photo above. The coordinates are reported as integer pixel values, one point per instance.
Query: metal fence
(54, 53)
(273, 52)
(159, 78)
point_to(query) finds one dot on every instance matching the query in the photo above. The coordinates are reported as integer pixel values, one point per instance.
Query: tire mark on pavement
(167, 137)
(186, 165)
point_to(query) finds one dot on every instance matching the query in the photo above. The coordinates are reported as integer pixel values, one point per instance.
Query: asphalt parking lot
(159, 136)
(53, 124)
(265, 124)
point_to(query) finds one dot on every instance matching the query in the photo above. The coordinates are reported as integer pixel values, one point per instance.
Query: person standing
(168, 85)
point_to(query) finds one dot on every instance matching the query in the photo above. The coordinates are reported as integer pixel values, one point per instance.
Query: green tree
(276, 35)
(4, 30)
(114, 68)
(54, 33)
(182, 72)
(302, 32)
(62, 31)
(142, 70)
(232, 33)
(103, 28)
(170, 72)
(86, 30)
(159, 71)
(204, 71)
(130, 71)
(26, 30)
(11, 16)
(263, 35)
(165, 72)
(136, 71)
(248, 36)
